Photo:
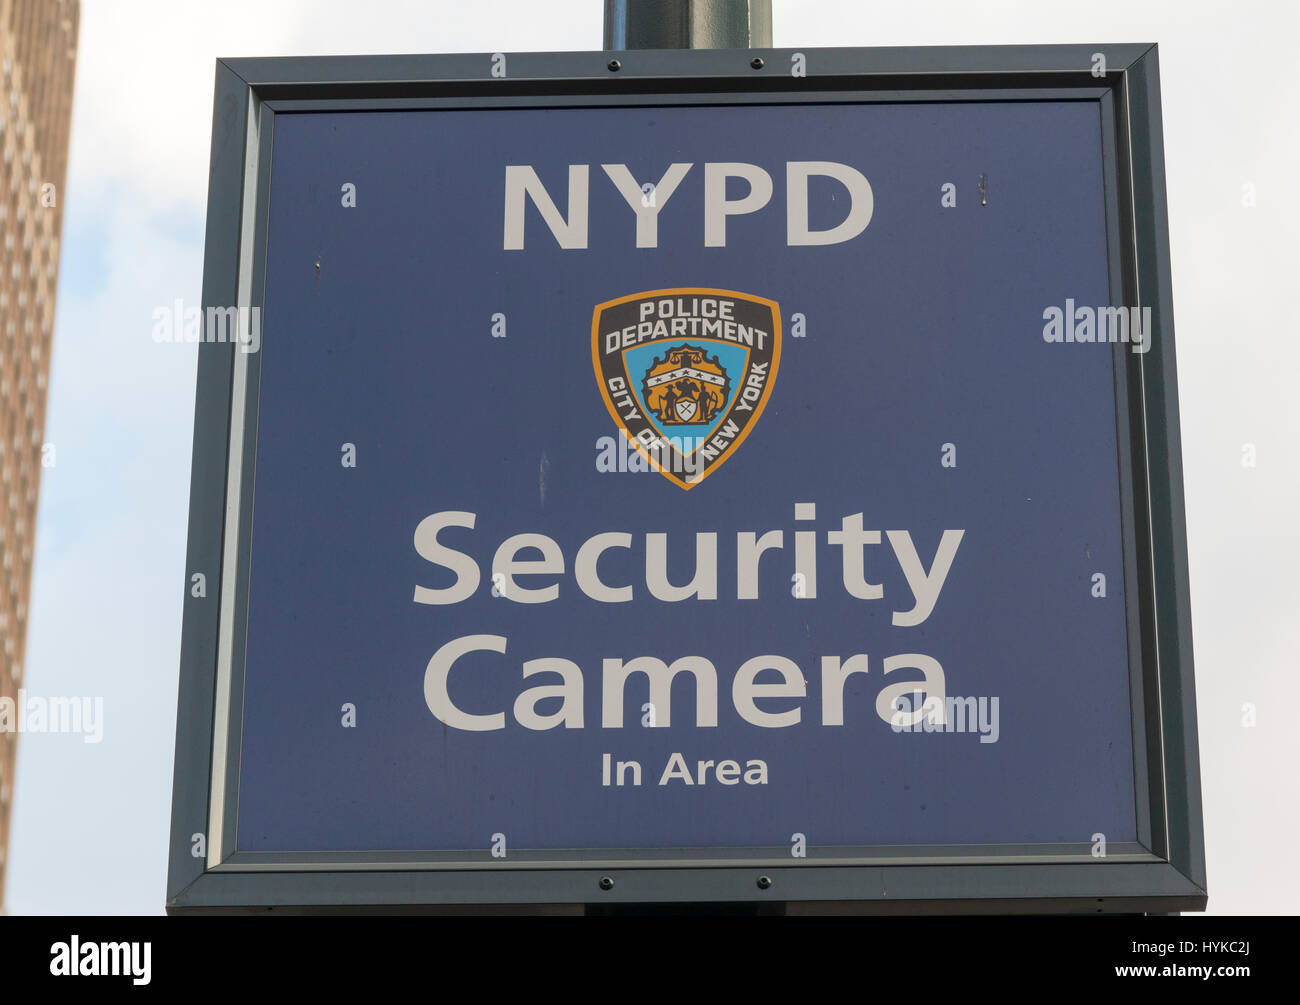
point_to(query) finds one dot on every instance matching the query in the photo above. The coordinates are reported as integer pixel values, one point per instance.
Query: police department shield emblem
(686, 373)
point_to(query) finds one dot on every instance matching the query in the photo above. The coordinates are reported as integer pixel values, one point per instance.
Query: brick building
(38, 48)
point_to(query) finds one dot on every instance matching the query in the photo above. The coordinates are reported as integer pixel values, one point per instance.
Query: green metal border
(1163, 872)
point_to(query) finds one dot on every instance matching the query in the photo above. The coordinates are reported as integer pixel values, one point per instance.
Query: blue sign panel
(678, 478)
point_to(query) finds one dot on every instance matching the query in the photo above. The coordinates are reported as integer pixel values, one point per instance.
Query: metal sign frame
(1163, 871)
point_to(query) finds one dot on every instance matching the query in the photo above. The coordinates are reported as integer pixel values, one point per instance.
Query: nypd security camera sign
(692, 481)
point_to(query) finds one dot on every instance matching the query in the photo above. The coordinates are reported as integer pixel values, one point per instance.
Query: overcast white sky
(90, 823)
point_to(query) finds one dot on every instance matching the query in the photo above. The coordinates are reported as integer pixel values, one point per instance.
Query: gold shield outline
(672, 476)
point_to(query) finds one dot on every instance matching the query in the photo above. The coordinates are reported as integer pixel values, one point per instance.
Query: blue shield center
(685, 436)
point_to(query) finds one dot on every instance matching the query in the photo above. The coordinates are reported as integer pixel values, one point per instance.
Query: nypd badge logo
(686, 373)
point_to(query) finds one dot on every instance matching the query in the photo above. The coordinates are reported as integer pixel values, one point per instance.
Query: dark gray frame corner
(1163, 871)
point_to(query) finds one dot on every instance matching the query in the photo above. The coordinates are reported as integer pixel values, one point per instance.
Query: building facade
(38, 48)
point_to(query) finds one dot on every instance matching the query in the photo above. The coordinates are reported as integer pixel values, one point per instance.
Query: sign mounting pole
(688, 24)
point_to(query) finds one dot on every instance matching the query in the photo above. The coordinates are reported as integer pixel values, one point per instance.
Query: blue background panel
(924, 330)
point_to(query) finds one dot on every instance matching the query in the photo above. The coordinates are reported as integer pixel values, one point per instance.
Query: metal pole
(688, 24)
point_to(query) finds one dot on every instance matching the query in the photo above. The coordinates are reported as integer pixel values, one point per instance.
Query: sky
(90, 824)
